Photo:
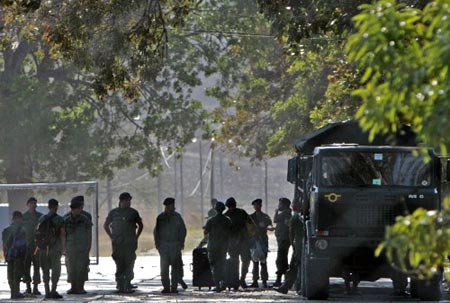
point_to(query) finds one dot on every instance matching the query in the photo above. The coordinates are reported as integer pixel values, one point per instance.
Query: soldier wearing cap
(217, 229)
(50, 257)
(239, 243)
(124, 226)
(78, 229)
(282, 217)
(30, 220)
(263, 224)
(169, 235)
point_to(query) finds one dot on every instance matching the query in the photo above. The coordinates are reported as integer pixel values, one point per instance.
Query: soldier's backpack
(18, 247)
(45, 232)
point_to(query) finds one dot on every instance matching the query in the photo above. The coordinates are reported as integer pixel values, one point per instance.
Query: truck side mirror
(447, 171)
(292, 170)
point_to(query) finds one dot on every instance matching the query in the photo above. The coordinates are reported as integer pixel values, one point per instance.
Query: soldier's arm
(155, 234)
(140, 228)
(182, 232)
(107, 226)
(62, 237)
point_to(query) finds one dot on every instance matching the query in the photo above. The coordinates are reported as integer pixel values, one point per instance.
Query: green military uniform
(78, 243)
(262, 221)
(87, 260)
(283, 242)
(123, 222)
(239, 244)
(211, 213)
(169, 235)
(218, 229)
(15, 265)
(50, 257)
(296, 234)
(30, 220)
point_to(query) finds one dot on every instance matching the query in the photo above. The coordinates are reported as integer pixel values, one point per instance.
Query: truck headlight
(321, 244)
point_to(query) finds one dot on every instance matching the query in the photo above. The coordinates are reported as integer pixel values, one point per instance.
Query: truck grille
(372, 215)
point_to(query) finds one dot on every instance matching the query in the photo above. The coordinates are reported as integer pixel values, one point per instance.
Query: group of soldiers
(38, 241)
(236, 233)
(232, 232)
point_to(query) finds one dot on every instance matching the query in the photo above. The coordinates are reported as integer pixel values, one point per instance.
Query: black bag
(18, 247)
(201, 270)
(45, 232)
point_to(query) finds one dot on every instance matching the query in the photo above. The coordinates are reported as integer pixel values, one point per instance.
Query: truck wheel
(315, 280)
(428, 289)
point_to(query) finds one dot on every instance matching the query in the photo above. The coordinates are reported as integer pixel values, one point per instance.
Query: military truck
(350, 190)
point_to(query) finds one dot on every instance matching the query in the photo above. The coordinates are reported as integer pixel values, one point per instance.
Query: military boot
(54, 294)
(36, 290)
(28, 290)
(47, 291)
(277, 281)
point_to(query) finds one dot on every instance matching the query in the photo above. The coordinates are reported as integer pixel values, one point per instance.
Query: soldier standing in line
(217, 229)
(238, 244)
(14, 254)
(296, 235)
(212, 211)
(281, 218)
(50, 254)
(78, 229)
(169, 235)
(263, 224)
(124, 226)
(30, 220)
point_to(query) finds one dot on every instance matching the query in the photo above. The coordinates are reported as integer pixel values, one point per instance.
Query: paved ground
(101, 287)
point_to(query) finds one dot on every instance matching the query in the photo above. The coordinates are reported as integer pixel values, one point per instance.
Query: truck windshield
(344, 168)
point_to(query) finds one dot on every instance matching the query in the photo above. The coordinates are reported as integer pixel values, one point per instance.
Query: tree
(404, 56)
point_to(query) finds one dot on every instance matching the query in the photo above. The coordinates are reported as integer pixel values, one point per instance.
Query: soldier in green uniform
(239, 243)
(11, 236)
(218, 229)
(124, 226)
(263, 224)
(169, 235)
(50, 255)
(78, 229)
(212, 211)
(296, 235)
(30, 220)
(281, 218)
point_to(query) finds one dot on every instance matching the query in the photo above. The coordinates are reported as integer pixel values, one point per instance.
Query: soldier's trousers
(243, 250)
(31, 261)
(170, 260)
(15, 273)
(77, 269)
(282, 257)
(263, 265)
(50, 260)
(124, 256)
(217, 262)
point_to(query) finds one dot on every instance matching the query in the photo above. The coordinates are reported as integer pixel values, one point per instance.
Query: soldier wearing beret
(239, 243)
(78, 229)
(124, 226)
(282, 217)
(263, 224)
(169, 235)
(30, 220)
(217, 229)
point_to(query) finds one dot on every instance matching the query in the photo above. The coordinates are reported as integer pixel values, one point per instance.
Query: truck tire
(315, 279)
(427, 289)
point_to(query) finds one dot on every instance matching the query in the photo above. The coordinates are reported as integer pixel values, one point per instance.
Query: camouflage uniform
(123, 222)
(30, 220)
(169, 235)
(218, 230)
(15, 265)
(78, 243)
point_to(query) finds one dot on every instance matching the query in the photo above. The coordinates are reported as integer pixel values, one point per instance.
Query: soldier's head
(284, 203)
(125, 200)
(213, 202)
(219, 207)
(79, 199)
(32, 204)
(17, 217)
(76, 207)
(296, 206)
(169, 205)
(230, 203)
(257, 205)
(53, 205)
